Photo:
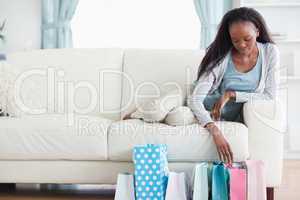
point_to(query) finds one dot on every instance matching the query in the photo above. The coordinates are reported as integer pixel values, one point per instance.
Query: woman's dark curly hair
(222, 44)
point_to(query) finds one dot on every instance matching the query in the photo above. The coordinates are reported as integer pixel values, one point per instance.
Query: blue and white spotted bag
(151, 171)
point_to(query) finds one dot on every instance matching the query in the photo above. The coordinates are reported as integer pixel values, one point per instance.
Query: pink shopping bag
(238, 184)
(256, 180)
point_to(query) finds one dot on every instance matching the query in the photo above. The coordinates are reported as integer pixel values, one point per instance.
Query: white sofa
(54, 141)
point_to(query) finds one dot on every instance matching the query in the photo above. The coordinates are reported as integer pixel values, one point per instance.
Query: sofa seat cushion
(53, 137)
(185, 143)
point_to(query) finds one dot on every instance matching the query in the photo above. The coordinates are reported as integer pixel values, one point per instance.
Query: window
(164, 24)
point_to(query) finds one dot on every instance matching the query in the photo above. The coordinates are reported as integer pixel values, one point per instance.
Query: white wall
(23, 19)
(283, 19)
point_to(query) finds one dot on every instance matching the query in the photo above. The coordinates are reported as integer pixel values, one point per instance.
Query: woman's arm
(272, 79)
(195, 100)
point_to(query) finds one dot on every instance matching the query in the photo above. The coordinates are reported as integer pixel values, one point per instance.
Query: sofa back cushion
(85, 81)
(150, 73)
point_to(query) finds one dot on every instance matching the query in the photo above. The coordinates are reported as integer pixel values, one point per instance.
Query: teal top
(235, 81)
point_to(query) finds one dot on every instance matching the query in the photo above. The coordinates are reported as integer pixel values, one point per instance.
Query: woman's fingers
(218, 114)
(227, 158)
(216, 111)
(226, 154)
(220, 154)
(212, 113)
(230, 154)
(223, 154)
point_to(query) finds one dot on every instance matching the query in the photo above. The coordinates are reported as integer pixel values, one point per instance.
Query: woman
(239, 65)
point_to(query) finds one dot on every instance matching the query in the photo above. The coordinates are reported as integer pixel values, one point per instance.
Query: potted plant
(2, 36)
(2, 39)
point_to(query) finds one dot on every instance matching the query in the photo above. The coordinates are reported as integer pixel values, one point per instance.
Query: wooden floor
(289, 190)
(56, 192)
(54, 197)
(290, 186)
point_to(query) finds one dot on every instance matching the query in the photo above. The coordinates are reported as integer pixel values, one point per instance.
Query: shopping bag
(220, 181)
(151, 171)
(125, 187)
(201, 184)
(238, 183)
(256, 180)
(177, 187)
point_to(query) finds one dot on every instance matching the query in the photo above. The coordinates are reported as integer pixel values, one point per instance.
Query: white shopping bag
(201, 189)
(125, 187)
(177, 187)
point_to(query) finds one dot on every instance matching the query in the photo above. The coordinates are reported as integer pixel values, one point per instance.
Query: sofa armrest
(266, 121)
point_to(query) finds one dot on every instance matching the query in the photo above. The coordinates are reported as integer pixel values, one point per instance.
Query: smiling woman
(136, 24)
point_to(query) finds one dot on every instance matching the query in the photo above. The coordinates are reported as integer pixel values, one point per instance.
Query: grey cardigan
(209, 82)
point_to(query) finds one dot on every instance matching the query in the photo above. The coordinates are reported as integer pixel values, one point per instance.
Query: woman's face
(243, 36)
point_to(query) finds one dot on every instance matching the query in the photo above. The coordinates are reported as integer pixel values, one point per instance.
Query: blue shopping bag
(220, 181)
(151, 171)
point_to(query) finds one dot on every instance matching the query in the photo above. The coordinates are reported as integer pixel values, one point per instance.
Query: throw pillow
(180, 116)
(156, 110)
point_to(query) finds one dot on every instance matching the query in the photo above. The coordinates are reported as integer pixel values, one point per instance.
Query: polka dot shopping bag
(151, 171)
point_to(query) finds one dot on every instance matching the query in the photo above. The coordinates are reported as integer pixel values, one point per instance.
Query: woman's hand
(218, 106)
(223, 147)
